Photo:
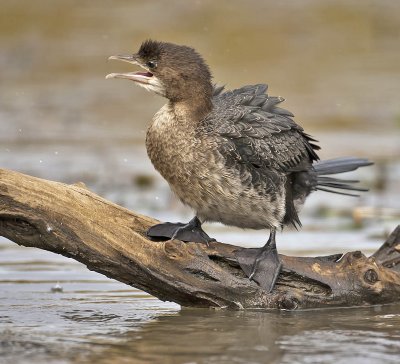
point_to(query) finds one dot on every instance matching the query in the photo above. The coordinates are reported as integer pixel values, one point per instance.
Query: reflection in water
(88, 316)
(205, 336)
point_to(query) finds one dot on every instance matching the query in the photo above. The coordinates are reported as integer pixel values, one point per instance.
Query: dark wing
(259, 133)
(262, 141)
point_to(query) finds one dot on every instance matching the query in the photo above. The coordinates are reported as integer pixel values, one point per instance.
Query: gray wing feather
(259, 134)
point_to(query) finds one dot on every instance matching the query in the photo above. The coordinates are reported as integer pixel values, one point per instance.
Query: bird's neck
(192, 109)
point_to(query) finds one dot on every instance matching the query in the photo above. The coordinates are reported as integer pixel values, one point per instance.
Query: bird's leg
(262, 265)
(191, 231)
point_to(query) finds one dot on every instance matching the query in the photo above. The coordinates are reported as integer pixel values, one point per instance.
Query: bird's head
(173, 71)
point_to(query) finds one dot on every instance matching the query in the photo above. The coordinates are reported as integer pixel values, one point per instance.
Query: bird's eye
(151, 64)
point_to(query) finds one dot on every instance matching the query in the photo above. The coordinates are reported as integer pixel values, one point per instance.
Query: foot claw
(260, 265)
(163, 231)
(185, 232)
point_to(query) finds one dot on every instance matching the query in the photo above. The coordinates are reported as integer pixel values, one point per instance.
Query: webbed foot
(191, 231)
(261, 265)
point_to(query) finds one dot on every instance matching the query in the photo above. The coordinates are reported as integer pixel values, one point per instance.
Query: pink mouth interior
(145, 74)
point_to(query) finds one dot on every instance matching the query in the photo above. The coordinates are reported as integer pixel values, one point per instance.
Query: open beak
(141, 77)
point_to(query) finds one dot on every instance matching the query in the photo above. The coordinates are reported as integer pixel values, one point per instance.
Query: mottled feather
(257, 133)
(261, 141)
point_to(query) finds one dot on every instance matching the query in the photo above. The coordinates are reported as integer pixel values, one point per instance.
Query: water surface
(99, 320)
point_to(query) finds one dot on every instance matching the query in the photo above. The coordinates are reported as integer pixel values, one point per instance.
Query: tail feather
(335, 166)
(337, 192)
(340, 165)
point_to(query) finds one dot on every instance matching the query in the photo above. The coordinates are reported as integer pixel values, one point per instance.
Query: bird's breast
(187, 159)
(172, 146)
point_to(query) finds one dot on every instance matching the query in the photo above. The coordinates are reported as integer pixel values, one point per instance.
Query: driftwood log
(109, 239)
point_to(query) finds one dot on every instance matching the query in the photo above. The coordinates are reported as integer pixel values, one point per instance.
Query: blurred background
(337, 64)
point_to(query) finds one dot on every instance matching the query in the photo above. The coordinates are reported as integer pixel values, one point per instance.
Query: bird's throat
(192, 109)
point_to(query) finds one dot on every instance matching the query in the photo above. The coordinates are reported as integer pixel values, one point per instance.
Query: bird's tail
(335, 166)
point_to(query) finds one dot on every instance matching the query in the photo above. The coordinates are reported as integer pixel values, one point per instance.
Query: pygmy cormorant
(233, 156)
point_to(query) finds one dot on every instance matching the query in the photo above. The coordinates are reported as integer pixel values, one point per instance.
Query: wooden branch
(107, 238)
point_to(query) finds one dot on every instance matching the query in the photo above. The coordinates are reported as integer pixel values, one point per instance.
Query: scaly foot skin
(191, 231)
(261, 265)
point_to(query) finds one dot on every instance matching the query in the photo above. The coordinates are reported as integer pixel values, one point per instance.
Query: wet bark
(109, 239)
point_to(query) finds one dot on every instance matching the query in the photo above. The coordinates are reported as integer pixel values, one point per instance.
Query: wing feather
(259, 133)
